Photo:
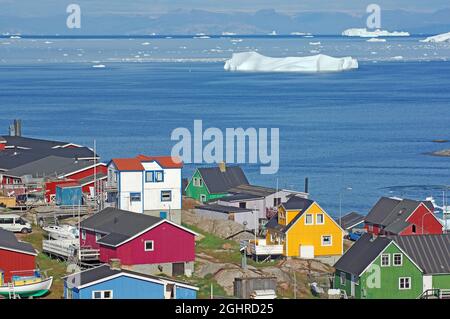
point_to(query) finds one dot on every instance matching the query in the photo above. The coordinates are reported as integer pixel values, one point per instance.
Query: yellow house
(305, 230)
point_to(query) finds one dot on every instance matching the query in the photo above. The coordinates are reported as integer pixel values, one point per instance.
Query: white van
(14, 223)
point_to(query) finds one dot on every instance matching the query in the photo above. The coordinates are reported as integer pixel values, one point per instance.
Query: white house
(146, 184)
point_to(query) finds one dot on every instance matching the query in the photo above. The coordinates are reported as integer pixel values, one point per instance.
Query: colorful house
(16, 257)
(106, 282)
(397, 267)
(351, 222)
(395, 216)
(140, 242)
(146, 184)
(304, 230)
(209, 183)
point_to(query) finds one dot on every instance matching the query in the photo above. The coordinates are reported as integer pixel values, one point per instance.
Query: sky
(55, 7)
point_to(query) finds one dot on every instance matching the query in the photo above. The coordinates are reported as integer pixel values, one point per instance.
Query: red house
(16, 257)
(394, 216)
(140, 242)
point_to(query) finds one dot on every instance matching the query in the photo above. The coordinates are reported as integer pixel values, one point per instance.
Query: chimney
(306, 185)
(115, 264)
(222, 167)
(18, 127)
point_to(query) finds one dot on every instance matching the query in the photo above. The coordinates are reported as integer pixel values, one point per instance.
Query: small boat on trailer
(28, 286)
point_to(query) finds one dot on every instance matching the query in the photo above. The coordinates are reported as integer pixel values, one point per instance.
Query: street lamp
(340, 202)
(424, 217)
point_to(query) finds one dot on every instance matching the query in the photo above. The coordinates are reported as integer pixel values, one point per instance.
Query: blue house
(106, 282)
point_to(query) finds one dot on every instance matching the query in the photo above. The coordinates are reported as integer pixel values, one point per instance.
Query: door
(178, 269)
(427, 283)
(169, 293)
(306, 251)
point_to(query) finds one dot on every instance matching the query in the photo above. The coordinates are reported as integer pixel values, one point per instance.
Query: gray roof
(350, 220)
(254, 190)
(223, 209)
(379, 211)
(90, 179)
(239, 197)
(9, 241)
(51, 166)
(118, 225)
(294, 203)
(430, 252)
(393, 213)
(21, 141)
(220, 182)
(104, 271)
(361, 254)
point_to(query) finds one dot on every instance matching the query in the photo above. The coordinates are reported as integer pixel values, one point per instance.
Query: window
(309, 219)
(7, 221)
(404, 283)
(203, 198)
(102, 294)
(149, 176)
(135, 197)
(166, 196)
(163, 215)
(197, 181)
(97, 237)
(276, 201)
(148, 245)
(398, 260)
(327, 240)
(242, 205)
(83, 234)
(343, 278)
(413, 229)
(159, 176)
(385, 260)
(319, 219)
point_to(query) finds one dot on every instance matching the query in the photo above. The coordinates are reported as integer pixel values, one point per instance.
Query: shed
(7, 201)
(69, 194)
(245, 287)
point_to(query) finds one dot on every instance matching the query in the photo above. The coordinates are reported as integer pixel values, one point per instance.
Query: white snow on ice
(444, 37)
(364, 33)
(253, 61)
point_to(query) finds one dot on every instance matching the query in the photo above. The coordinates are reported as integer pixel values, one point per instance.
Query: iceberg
(364, 33)
(253, 61)
(444, 37)
(376, 40)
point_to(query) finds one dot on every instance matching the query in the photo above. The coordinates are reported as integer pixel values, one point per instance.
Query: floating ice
(444, 37)
(376, 40)
(315, 43)
(364, 33)
(99, 66)
(253, 61)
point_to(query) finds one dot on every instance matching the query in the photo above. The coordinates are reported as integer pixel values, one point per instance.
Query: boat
(62, 232)
(25, 286)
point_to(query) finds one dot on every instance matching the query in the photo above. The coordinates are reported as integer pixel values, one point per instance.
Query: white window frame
(312, 219)
(83, 234)
(343, 278)
(388, 259)
(405, 279)
(201, 198)
(102, 294)
(401, 260)
(169, 192)
(153, 245)
(331, 240)
(317, 219)
(98, 236)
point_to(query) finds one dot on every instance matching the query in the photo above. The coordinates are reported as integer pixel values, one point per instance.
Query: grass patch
(53, 267)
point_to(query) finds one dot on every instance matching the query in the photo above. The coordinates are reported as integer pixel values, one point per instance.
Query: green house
(209, 183)
(397, 267)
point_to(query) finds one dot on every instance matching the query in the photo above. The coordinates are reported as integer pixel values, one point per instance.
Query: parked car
(354, 236)
(15, 224)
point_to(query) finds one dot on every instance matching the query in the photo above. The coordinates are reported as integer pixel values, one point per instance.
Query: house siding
(171, 244)
(11, 262)
(389, 279)
(196, 191)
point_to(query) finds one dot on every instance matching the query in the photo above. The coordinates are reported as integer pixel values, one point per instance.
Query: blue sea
(369, 129)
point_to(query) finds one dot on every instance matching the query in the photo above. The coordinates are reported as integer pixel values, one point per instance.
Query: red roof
(163, 161)
(128, 164)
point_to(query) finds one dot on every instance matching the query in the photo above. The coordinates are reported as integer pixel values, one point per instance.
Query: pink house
(141, 242)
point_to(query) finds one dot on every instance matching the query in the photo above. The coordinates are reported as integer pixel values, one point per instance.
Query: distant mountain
(201, 21)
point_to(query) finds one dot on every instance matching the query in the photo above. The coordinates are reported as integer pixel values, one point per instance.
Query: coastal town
(76, 226)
